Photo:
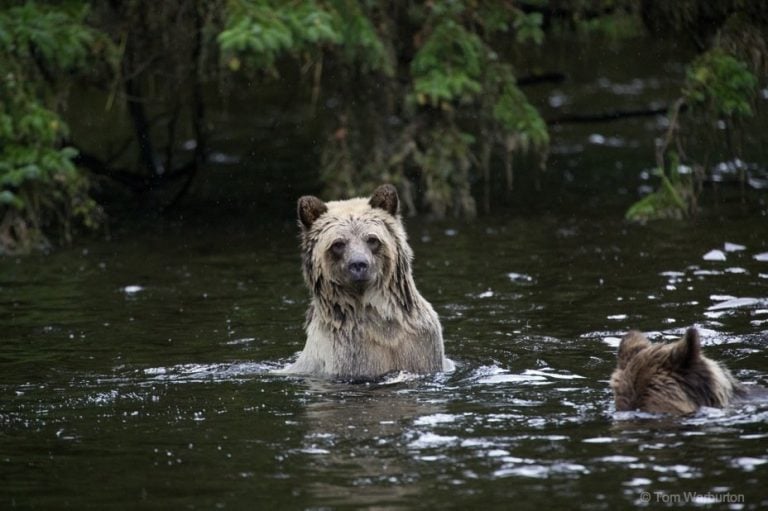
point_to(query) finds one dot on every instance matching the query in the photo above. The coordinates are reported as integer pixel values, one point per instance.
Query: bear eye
(373, 243)
(338, 247)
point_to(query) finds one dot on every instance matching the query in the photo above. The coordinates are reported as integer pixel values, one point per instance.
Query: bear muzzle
(359, 270)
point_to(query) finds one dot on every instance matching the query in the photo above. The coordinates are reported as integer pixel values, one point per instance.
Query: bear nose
(358, 269)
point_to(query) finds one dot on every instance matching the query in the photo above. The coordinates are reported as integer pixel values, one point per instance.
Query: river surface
(135, 371)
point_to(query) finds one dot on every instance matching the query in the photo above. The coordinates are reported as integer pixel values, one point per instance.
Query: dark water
(136, 373)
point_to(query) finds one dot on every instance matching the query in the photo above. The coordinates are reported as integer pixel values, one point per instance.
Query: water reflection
(356, 433)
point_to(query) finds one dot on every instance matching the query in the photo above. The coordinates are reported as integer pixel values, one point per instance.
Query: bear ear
(631, 344)
(385, 197)
(310, 208)
(687, 350)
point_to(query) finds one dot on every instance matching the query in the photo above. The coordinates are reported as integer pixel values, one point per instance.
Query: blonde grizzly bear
(366, 317)
(673, 378)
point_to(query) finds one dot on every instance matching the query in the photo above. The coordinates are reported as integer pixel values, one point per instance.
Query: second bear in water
(674, 378)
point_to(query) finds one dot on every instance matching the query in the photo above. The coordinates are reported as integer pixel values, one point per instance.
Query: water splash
(198, 373)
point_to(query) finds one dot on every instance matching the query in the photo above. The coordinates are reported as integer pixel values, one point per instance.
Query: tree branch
(535, 79)
(609, 116)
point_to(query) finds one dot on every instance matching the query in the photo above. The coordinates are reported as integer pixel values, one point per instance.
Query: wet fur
(363, 333)
(674, 378)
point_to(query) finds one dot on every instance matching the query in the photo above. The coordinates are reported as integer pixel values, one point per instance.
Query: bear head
(354, 246)
(674, 378)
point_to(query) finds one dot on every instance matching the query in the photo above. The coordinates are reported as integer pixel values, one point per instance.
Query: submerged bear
(366, 317)
(674, 378)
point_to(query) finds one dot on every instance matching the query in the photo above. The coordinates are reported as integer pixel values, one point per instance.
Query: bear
(365, 318)
(669, 378)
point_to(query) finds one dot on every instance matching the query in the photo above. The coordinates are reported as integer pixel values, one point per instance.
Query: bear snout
(358, 270)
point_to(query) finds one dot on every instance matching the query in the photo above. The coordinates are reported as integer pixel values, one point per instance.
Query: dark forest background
(114, 108)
